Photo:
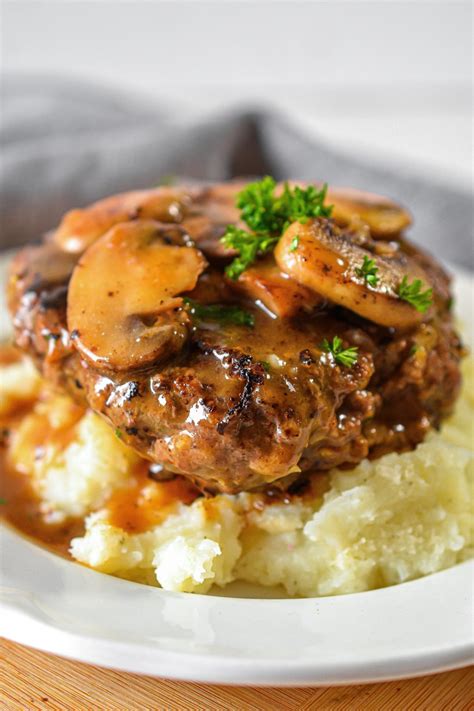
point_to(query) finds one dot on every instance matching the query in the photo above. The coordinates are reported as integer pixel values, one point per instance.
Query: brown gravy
(135, 508)
(147, 503)
(21, 508)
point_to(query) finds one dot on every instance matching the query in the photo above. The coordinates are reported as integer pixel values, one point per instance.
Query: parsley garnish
(412, 293)
(343, 356)
(118, 433)
(294, 243)
(267, 217)
(221, 313)
(249, 245)
(2, 501)
(368, 271)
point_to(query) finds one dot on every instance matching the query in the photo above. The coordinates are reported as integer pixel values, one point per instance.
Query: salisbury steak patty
(235, 400)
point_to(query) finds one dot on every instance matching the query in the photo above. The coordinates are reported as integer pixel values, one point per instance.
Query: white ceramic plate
(61, 607)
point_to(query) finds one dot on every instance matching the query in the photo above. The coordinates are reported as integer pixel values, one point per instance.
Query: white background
(389, 79)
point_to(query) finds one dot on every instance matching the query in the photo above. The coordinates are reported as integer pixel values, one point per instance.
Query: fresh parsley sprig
(300, 204)
(368, 271)
(413, 294)
(267, 216)
(249, 245)
(220, 312)
(344, 356)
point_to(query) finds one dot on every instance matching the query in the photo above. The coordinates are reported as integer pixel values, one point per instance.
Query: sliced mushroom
(207, 236)
(37, 269)
(327, 260)
(384, 217)
(283, 296)
(212, 288)
(208, 216)
(123, 301)
(80, 228)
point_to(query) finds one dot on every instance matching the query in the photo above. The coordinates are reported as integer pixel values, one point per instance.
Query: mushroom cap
(327, 260)
(266, 284)
(79, 228)
(385, 218)
(124, 309)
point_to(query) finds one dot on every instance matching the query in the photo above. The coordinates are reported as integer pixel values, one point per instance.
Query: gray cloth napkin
(65, 144)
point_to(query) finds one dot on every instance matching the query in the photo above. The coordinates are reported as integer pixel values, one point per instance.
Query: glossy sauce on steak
(230, 406)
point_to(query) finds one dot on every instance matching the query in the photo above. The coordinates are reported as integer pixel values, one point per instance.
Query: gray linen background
(65, 144)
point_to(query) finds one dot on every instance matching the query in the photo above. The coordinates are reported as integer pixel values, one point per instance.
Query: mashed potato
(74, 460)
(19, 383)
(459, 428)
(382, 523)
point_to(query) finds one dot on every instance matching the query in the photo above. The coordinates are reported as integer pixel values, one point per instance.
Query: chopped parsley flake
(344, 356)
(294, 243)
(368, 271)
(413, 294)
(220, 312)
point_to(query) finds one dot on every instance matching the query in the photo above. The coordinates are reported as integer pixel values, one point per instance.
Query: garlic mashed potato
(382, 523)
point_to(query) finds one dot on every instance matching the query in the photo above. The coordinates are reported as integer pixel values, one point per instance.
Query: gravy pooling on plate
(22, 505)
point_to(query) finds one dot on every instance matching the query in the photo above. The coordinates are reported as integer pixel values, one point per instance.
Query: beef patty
(232, 406)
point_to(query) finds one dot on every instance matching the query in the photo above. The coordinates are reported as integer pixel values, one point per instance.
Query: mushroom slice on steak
(124, 308)
(385, 218)
(80, 228)
(266, 284)
(329, 261)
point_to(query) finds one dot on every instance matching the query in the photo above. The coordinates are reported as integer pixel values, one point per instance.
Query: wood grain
(31, 681)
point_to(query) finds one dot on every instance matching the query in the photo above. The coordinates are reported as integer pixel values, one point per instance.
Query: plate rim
(140, 657)
(107, 655)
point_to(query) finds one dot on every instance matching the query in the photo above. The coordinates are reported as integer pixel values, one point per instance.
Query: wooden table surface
(31, 680)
